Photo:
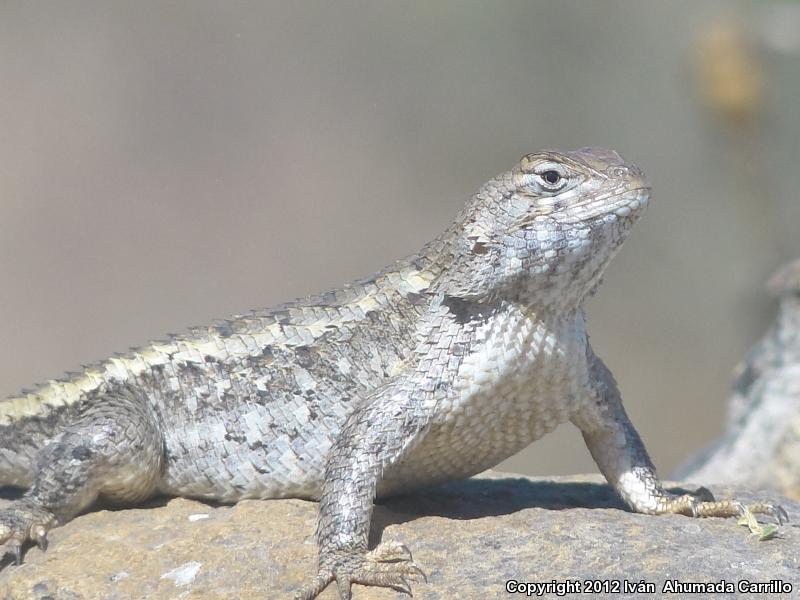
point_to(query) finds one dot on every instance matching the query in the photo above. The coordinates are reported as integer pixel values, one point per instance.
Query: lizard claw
(39, 536)
(389, 565)
(702, 504)
(419, 572)
(14, 548)
(403, 586)
(313, 589)
(22, 522)
(390, 552)
(773, 510)
(781, 515)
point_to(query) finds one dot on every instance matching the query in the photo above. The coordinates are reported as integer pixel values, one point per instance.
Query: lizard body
(436, 368)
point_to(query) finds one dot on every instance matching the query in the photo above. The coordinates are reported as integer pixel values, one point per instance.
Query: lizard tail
(27, 422)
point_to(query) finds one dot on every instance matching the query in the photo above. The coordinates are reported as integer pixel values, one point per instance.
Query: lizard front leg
(368, 444)
(621, 456)
(114, 449)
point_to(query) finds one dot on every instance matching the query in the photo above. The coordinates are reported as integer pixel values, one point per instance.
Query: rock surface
(761, 442)
(471, 537)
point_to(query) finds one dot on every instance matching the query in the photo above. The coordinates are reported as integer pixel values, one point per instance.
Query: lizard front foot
(22, 522)
(389, 565)
(703, 504)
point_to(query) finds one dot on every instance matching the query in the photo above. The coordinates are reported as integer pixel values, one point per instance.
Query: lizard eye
(550, 178)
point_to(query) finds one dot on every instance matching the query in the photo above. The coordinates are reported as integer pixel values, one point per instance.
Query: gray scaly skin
(436, 368)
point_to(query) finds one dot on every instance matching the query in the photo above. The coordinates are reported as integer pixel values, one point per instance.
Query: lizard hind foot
(20, 523)
(389, 565)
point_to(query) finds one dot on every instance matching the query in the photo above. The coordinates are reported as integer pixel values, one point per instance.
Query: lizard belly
(526, 378)
(258, 459)
(265, 431)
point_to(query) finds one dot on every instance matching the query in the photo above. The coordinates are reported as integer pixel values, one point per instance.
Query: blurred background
(166, 164)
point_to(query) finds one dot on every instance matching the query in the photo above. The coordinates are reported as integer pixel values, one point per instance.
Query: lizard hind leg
(114, 449)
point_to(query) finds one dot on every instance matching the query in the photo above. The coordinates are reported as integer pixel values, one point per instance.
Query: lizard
(436, 368)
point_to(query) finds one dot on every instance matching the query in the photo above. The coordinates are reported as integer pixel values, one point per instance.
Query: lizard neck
(552, 268)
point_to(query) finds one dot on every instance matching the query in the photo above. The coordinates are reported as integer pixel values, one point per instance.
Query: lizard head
(548, 226)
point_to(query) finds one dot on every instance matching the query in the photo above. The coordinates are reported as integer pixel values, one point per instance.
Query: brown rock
(471, 537)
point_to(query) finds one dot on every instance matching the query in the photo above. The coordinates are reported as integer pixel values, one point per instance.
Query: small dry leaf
(767, 533)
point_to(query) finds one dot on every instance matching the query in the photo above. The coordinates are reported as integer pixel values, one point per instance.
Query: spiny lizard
(434, 369)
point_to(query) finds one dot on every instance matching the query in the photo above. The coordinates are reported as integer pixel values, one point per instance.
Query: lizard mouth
(632, 202)
(628, 204)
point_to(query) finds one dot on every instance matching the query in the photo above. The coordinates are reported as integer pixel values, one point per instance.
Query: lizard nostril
(617, 172)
